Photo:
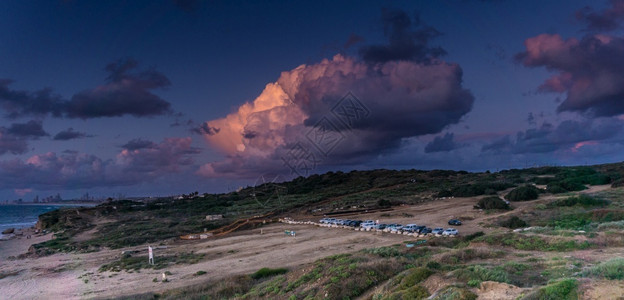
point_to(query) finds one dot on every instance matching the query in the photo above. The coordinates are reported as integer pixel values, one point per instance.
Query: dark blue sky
(166, 97)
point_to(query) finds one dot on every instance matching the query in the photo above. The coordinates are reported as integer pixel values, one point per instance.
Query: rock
(8, 231)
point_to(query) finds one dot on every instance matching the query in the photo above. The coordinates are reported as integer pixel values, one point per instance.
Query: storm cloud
(568, 135)
(125, 93)
(70, 134)
(31, 129)
(606, 20)
(408, 39)
(443, 143)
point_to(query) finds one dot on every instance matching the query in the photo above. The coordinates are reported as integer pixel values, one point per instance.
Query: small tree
(523, 193)
(492, 203)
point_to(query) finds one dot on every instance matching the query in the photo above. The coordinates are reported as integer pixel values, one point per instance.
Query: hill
(573, 236)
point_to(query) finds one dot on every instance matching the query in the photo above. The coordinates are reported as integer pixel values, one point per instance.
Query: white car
(367, 223)
(395, 227)
(450, 231)
(437, 230)
(409, 227)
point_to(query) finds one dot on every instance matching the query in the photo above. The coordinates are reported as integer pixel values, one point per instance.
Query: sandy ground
(76, 276)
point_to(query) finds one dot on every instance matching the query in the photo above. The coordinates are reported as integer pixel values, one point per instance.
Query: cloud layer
(568, 135)
(125, 93)
(74, 170)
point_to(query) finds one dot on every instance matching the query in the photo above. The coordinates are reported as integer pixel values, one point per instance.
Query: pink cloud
(403, 99)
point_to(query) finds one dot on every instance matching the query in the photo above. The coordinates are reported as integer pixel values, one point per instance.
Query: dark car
(419, 229)
(454, 222)
(355, 223)
(425, 230)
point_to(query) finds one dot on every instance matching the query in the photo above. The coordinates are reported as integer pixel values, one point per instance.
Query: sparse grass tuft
(612, 269)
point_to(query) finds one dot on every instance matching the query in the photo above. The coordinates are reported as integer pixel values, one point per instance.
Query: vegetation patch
(612, 269)
(513, 222)
(581, 200)
(135, 263)
(268, 272)
(564, 289)
(493, 202)
(455, 293)
(523, 193)
(534, 243)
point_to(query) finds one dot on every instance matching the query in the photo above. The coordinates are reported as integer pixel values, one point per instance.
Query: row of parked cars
(411, 228)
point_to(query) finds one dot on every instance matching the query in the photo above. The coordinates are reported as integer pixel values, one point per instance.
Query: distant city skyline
(161, 98)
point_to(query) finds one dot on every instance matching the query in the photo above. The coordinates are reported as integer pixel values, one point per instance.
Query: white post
(151, 255)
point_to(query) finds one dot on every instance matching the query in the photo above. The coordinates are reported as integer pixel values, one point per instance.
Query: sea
(24, 216)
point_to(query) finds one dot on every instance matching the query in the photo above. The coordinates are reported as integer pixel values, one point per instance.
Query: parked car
(454, 222)
(395, 227)
(410, 228)
(425, 230)
(380, 226)
(367, 223)
(327, 220)
(450, 231)
(420, 228)
(437, 230)
(355, 223)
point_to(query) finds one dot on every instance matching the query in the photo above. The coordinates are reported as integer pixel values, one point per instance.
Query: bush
(433, 265)
(583, 200)
(384, 251)
(492, 203)
(198, 273)
(513, 223)
(455, 293)
(267, 272)
(612, 269)
(414, 277)
(564, 289)
(523, 193)
(384, 203)
(566, 185)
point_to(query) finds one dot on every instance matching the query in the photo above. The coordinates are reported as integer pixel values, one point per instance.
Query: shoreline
(52, 204)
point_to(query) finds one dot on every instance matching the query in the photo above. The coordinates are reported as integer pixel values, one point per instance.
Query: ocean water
(23, 216)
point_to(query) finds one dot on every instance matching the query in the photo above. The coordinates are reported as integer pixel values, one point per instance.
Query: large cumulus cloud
(403, 99)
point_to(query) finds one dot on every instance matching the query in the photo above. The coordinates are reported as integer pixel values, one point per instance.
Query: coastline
(85, 204)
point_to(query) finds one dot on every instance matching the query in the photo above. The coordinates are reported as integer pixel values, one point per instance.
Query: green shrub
(563, 186)
(493, 202)
(414, 277)
(433, 265)
(474, 283)
(473, 236)
(455, 293)
(513, 223)
(564, 289)
(480, 273)
(611, 269)
(583, 200)
(198, 273)
(268, 272)
(384, 251)
(523, 193)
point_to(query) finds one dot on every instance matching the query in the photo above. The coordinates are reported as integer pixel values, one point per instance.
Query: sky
(158, 98)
